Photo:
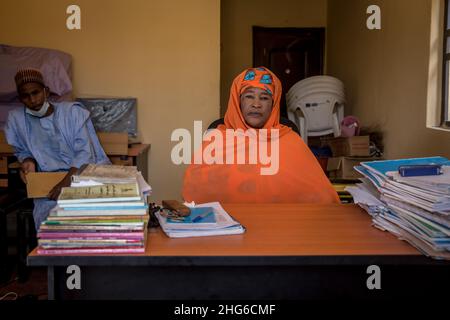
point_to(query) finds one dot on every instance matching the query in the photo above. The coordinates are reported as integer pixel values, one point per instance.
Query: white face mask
(41, 111)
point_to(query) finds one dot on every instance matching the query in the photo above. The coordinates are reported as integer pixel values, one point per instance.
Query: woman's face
(256, 107)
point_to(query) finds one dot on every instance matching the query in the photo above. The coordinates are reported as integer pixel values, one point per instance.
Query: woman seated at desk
(254, 104)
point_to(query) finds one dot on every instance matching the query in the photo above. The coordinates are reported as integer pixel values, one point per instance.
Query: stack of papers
(95, 175)
(415, 209)
(208, 219)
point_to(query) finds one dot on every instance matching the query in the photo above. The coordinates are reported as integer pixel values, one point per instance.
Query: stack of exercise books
(208, 219)
(415, 209)
(98, 215)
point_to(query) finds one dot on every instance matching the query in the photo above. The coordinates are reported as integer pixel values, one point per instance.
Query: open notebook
(219, 222)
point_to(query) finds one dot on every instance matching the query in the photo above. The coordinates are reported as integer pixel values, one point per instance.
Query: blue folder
(382, 166)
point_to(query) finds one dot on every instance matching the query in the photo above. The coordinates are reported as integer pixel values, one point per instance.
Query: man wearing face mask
(50, 137)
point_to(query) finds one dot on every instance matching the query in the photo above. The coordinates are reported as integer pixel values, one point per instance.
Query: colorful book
(108, 218)
(89, 251)
(85, 227)
(87, 235)
(139, 203)
(91, 212)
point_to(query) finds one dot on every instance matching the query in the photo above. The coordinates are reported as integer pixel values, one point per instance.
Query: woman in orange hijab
(254, 105)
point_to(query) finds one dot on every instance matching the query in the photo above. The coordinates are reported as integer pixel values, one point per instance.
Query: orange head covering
(265, 79)
(299, 177)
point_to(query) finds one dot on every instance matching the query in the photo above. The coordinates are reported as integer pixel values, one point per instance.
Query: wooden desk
(289, 251)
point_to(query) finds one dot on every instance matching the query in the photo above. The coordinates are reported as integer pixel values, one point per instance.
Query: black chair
(26, 238)
(283, 121)
(11, 201)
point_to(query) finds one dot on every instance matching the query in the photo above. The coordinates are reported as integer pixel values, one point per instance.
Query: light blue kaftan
(57, 142)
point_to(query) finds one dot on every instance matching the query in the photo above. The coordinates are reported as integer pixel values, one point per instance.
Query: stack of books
(208, 219)
(415, 209)
(98, 215)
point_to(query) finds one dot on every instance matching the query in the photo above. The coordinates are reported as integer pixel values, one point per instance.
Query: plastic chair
(317, 107)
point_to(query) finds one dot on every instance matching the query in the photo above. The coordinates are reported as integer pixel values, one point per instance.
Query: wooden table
(289, 251)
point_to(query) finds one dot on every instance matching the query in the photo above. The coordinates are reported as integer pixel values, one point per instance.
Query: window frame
(445, 118)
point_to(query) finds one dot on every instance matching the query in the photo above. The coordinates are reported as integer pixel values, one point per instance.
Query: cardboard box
(39, 184)
(114, 143)
(4, 146)
(342, 167)
(357, 146)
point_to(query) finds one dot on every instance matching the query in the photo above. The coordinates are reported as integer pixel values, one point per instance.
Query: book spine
(92, 235)
(79, 213)
(88, 251)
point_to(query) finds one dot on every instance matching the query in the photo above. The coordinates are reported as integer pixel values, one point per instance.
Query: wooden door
(291, 53)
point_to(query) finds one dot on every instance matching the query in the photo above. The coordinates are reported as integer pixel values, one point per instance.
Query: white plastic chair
(316, 107)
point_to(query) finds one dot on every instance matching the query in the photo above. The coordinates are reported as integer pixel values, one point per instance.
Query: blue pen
(202, 216)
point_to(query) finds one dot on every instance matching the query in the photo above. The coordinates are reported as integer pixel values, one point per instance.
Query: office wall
(164, 52)
(237, 19)
(385, 71)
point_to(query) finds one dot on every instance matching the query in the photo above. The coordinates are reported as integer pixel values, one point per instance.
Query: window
(445, 115)
(438, 95)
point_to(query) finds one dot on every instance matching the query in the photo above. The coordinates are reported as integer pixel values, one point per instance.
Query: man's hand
(28, 165)
(65, 182)
(54, 193)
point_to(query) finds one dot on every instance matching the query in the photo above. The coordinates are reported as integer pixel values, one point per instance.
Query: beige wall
(237, 19)
(165, 53)
(385, 71)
